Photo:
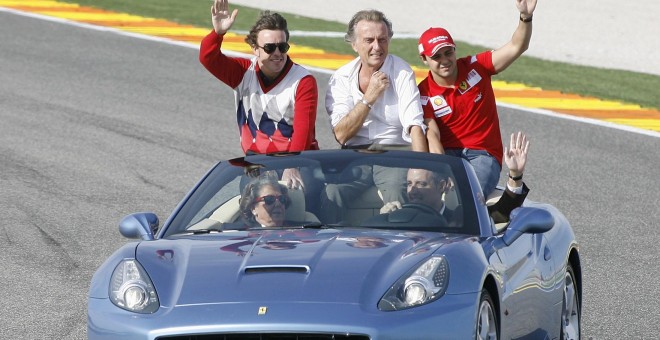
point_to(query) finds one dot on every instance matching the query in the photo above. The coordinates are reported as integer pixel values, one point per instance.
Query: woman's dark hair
(369, 15)
(250, 194)
(267, 21)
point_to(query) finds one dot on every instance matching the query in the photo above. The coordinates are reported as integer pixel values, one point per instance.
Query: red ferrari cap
(434, 39)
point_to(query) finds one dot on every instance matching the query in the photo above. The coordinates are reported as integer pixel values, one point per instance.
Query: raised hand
(526, 7)
(220, 17)
(515, 156)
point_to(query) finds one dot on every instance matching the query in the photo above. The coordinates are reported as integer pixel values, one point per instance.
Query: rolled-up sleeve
(410, 107)
(338, 99)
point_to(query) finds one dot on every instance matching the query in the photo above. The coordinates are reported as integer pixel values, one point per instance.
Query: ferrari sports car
(302, 246)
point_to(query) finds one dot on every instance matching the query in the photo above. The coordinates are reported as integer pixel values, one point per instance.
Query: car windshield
(340, 188)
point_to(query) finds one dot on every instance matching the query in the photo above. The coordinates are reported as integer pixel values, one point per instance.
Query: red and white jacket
(274, 118)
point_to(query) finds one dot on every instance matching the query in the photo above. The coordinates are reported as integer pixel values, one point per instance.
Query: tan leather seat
(296, 212)
(492, 199)
(227, 212)
(366, 205)
(494, 196)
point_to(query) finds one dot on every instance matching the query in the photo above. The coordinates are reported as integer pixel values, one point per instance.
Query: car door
(527, 282)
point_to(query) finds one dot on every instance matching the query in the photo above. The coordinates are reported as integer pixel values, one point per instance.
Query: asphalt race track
(96, 125)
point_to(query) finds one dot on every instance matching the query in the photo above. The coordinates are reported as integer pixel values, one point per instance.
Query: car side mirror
(139, 225)
(524, 220)
(527, 220)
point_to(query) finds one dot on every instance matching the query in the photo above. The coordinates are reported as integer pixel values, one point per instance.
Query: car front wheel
(486, 318)
(570, 313)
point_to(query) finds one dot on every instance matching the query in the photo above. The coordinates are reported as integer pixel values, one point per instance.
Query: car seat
(296, 212)
(365, 205)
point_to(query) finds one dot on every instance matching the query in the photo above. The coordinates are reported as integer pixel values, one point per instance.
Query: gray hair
(369, 15)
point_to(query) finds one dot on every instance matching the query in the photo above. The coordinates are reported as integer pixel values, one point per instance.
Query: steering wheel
(421, 207)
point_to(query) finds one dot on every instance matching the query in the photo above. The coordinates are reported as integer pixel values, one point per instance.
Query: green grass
(624, 86)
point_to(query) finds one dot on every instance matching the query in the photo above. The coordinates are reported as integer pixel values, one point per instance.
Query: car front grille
(266, 336)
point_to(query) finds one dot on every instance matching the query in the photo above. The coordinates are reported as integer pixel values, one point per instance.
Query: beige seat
(296, 212)
(451, 199)
(494, 196)
(228, 212)
(492, 199)
(366, 205)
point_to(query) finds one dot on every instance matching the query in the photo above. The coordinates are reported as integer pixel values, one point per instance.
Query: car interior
(229, 212)
(361, 208)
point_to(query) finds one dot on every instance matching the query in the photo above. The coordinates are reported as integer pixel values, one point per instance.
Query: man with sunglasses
(275, 98)
(458, 97)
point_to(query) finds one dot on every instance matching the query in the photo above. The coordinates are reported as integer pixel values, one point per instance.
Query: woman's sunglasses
(270, 199)
(270, 47)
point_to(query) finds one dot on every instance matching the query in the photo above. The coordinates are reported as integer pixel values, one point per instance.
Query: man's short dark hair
(267, 21)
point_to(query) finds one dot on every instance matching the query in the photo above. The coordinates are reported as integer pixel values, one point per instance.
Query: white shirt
(516, 190)
(391, 116)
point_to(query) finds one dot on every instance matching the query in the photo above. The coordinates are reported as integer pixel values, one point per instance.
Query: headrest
(296, 210)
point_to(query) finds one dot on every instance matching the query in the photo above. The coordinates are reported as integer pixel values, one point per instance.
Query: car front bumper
(450, 317)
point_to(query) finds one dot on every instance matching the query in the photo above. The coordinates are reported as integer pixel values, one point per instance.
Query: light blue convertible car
(301, 246)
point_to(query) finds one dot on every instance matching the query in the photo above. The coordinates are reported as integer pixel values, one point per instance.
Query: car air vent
(276, 269)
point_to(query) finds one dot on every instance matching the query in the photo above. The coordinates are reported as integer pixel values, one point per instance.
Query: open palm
(222, 20)
(526, 7)
(515, 156)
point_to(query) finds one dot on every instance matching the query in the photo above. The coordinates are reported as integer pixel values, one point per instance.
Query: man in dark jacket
(428, 187)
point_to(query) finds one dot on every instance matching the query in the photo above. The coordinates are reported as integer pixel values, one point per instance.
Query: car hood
(326, 265)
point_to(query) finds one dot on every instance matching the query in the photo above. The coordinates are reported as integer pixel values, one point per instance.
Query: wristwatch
(516, 178)
(363, 101)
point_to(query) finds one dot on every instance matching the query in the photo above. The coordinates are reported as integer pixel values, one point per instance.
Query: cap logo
(438, 38)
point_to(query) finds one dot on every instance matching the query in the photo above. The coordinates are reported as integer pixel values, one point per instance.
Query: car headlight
(421, 285)
(131, 289)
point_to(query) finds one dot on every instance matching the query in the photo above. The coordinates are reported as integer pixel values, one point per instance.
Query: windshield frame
(328, 166)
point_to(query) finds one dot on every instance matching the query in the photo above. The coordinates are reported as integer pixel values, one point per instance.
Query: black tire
(487, 327)
(571, 309)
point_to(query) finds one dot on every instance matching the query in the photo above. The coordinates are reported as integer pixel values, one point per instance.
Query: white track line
(326, 71)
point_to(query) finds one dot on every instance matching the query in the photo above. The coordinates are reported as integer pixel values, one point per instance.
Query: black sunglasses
(270, 47)
(270, 199)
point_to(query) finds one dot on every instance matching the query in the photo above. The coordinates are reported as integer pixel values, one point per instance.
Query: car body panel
(325, 279)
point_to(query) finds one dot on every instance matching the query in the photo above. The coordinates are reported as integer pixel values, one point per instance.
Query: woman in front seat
(264, 202)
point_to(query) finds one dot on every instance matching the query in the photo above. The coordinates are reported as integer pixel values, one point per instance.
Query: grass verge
(624, 86)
